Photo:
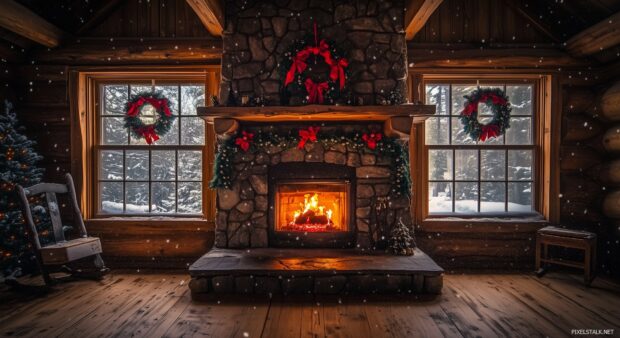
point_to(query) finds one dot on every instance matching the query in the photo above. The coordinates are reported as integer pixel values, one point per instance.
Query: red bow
(298, 66)
(307, 135)
(244, 141)
(323, 50)
(494, 98)
(337, 71)
(149, 134)
(134, 108)
(315, 91)
(489, 131)
(372, 139)
(469, 109)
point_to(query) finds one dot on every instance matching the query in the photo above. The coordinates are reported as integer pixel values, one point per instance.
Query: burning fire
(312, 214)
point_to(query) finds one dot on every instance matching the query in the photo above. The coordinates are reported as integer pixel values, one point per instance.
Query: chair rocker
(62, 251)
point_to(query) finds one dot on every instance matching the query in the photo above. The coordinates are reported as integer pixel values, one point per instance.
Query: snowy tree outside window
(162, 178)
(476, 177)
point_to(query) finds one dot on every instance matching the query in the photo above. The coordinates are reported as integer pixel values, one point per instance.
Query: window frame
(86, 133)
(544, 137)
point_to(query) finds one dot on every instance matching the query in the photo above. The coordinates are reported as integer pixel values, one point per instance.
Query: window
(474, 177)
(163, 178)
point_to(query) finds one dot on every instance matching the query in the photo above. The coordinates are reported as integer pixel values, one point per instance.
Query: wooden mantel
(397, 119)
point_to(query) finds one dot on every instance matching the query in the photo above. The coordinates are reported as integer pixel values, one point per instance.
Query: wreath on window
(497, 101)
(148, 116)
(316, 73)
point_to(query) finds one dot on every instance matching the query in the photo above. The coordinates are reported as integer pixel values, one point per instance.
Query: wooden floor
(154, 305)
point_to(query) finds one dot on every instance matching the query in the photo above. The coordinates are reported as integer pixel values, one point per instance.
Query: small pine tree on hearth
(17, 166)
(401, 241)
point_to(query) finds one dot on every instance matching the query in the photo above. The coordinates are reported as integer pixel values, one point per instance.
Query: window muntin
(475, 177)
(139, 179)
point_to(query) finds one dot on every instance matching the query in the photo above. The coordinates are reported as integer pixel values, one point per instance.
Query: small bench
(566, 238)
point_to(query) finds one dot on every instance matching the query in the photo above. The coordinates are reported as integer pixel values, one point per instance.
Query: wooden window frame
(545, 137)
(86, 133)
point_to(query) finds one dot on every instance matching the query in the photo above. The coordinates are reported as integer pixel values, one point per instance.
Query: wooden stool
(566, 238)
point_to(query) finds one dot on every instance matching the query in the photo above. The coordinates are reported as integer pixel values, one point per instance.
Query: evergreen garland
(223, 173)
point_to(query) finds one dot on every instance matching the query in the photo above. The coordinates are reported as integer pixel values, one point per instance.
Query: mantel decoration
(495, 99)
(303, 66)
(254, 141)
(135, 119)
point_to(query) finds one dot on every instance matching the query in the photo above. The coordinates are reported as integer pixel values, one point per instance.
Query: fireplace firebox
(312, 205)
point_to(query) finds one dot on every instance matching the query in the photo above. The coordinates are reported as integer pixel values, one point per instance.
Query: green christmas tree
(401, 241)
(17, 166)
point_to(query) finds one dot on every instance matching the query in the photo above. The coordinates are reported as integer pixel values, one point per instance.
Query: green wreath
(495, 99)
(150, 132)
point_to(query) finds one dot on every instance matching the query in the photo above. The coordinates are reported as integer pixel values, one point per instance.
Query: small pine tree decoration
(17, 166)
(401, 241)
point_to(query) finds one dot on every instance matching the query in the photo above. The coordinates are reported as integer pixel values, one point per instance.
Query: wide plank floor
(159, 305)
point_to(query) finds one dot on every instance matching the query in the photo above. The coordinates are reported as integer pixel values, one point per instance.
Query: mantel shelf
(417, 112)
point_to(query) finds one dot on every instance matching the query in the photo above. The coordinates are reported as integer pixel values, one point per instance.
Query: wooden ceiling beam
(22, 21)
(417, 14)
(526, 12)
(100, 15)
(594, 39)
(211, 14)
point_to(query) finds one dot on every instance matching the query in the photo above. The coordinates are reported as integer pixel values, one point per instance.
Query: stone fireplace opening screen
(311, 207)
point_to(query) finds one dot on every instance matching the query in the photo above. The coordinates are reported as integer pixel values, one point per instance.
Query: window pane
(113, 130)
(466, 197)
(458, 99)
(111, 165)
(520, 131)
(140, 88)
(137, 165)
(192, 131)
(190, 165)
(492, 197)
(438, 95)
(172, 136)
(191, 98)
(172, 94)
(190, 197)
(440, 197)
(163, 166)
(440, 164)
(163, 197)
(466, 165)
(111, 197)
(436, 130)
(520, 197)
(114, 99)
(493, 165)
(520, 165)
(136, 197)
(520, 98)
(459, 136)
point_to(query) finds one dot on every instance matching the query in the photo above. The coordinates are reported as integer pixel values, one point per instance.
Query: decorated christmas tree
(401, 241)
(17, 166)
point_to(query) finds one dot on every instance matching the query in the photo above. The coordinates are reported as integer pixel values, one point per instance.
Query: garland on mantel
(252, 141)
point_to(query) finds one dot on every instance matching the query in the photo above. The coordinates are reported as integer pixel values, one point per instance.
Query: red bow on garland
(307, 135)
(488, 131)
(337, 71)
(372, 139)
(244, 141)
(149, 134)
(315, 91)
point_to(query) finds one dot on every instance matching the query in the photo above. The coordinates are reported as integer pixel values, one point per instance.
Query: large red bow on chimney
(307, 135)
(315, 91)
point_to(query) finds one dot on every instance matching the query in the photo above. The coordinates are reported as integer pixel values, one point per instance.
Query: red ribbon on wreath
(337, 71)
(134, 109)
(315, 91)
(149, 134)
(372, 139)
(307, 135)
(244, 141)
(488, 131)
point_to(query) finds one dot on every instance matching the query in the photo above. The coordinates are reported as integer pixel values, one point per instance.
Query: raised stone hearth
(274, 271)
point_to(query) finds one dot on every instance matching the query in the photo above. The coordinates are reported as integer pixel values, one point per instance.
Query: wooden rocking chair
(62, 251)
